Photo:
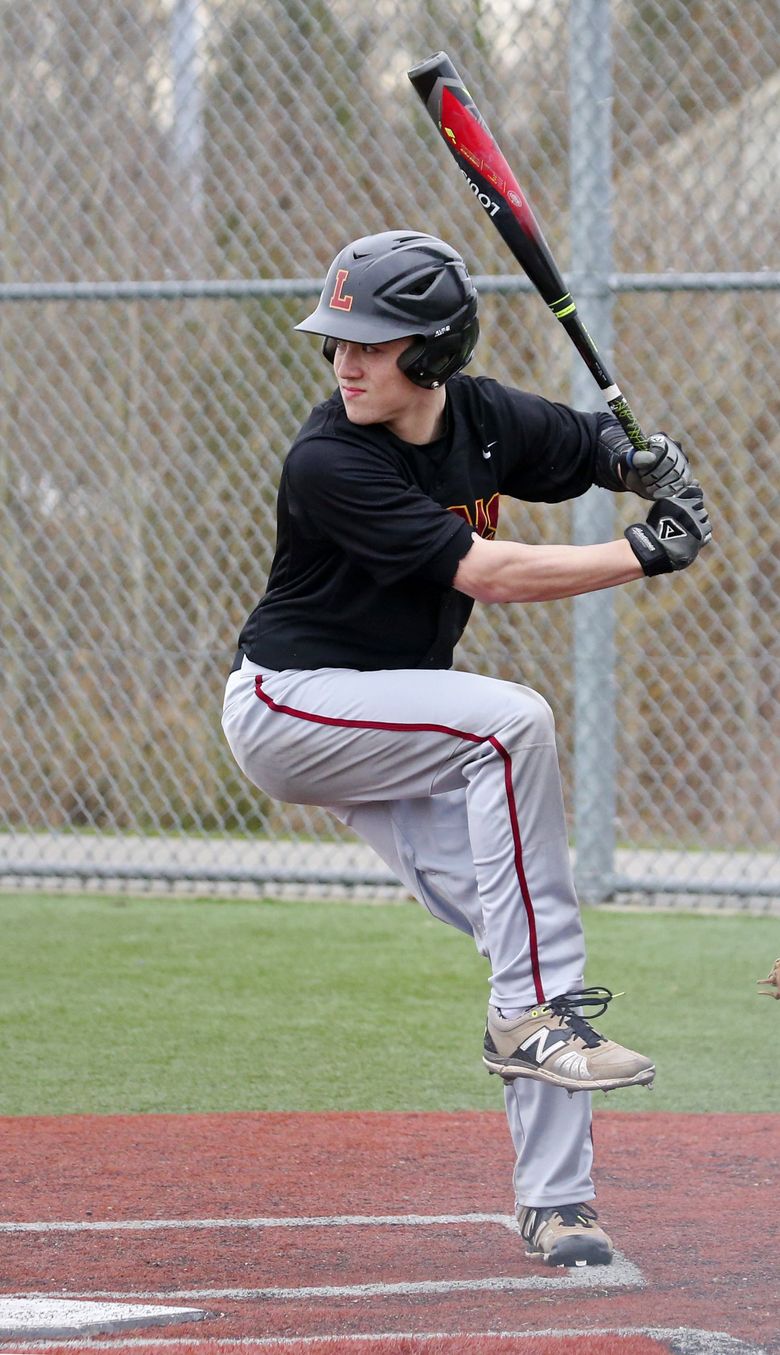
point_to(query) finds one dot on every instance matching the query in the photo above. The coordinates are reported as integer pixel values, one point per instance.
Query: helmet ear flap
(410, 361)
(329, 349)
(429, 362)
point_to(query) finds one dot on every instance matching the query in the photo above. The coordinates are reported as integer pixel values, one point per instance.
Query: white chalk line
(688, 1340)
(621, 1273)
(325, 1221)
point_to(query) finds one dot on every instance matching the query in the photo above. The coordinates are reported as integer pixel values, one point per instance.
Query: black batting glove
(674, 533)
(659, 472)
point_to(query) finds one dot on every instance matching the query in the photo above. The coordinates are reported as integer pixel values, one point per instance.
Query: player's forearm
(509, 571)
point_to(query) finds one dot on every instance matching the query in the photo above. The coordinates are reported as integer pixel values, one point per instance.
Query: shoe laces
(566, 1007)
(570, 1215)
(576, 1215)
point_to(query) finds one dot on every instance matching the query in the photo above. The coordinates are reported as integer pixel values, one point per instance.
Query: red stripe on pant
(458, 734)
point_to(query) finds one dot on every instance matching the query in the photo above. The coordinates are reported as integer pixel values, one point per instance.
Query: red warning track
(690, 1201)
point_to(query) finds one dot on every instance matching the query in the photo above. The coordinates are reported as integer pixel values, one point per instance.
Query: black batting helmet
(395, 285)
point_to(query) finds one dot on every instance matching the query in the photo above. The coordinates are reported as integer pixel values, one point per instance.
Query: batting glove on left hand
(674, 533)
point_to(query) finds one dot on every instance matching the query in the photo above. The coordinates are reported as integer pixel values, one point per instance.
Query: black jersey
(370, 529)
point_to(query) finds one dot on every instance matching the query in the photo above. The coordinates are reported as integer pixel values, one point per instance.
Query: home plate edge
(49, 1317)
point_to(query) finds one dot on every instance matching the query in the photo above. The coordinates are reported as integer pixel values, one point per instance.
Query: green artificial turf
(123, 1005)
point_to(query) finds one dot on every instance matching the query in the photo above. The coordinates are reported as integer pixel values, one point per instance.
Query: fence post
(590, 76)
(187, 131)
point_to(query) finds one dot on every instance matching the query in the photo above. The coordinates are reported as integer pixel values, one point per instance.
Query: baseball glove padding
(772, 981)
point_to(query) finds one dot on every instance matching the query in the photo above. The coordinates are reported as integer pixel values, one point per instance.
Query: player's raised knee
(530, 718)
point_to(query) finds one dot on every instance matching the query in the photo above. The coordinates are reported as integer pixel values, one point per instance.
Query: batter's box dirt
(188, 1210)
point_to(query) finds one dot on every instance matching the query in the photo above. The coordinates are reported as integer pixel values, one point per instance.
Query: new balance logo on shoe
(546, 1042)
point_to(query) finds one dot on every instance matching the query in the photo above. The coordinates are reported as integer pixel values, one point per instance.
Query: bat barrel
(477, 154)
(425, 74)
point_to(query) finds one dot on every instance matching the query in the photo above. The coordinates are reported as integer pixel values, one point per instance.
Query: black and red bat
(495, 187)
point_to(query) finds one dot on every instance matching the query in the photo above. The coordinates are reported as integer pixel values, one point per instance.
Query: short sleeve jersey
(371, 530)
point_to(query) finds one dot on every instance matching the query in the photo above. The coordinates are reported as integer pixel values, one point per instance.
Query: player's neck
(423, 420)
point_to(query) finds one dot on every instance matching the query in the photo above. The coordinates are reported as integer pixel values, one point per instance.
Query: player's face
(375, 390)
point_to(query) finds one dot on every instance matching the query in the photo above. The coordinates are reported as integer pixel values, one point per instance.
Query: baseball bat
(476, 152)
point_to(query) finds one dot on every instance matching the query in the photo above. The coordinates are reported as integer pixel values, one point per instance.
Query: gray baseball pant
(453, 779)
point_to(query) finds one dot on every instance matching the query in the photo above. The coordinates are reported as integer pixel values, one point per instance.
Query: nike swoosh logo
(486, 451)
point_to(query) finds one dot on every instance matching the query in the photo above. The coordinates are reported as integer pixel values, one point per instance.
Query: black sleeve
(547, 450)
(361, 503)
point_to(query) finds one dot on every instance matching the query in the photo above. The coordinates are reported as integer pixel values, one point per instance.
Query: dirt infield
(388, 1233)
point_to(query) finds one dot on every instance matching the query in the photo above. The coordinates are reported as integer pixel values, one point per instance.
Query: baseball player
(343, 695)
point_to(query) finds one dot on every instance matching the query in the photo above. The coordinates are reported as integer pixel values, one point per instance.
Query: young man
(343, 695)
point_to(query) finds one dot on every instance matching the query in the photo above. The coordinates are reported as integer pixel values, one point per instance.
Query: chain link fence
(177, 174)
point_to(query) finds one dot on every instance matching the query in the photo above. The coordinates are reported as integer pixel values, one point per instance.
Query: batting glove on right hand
(675, 531)
(658, 472)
